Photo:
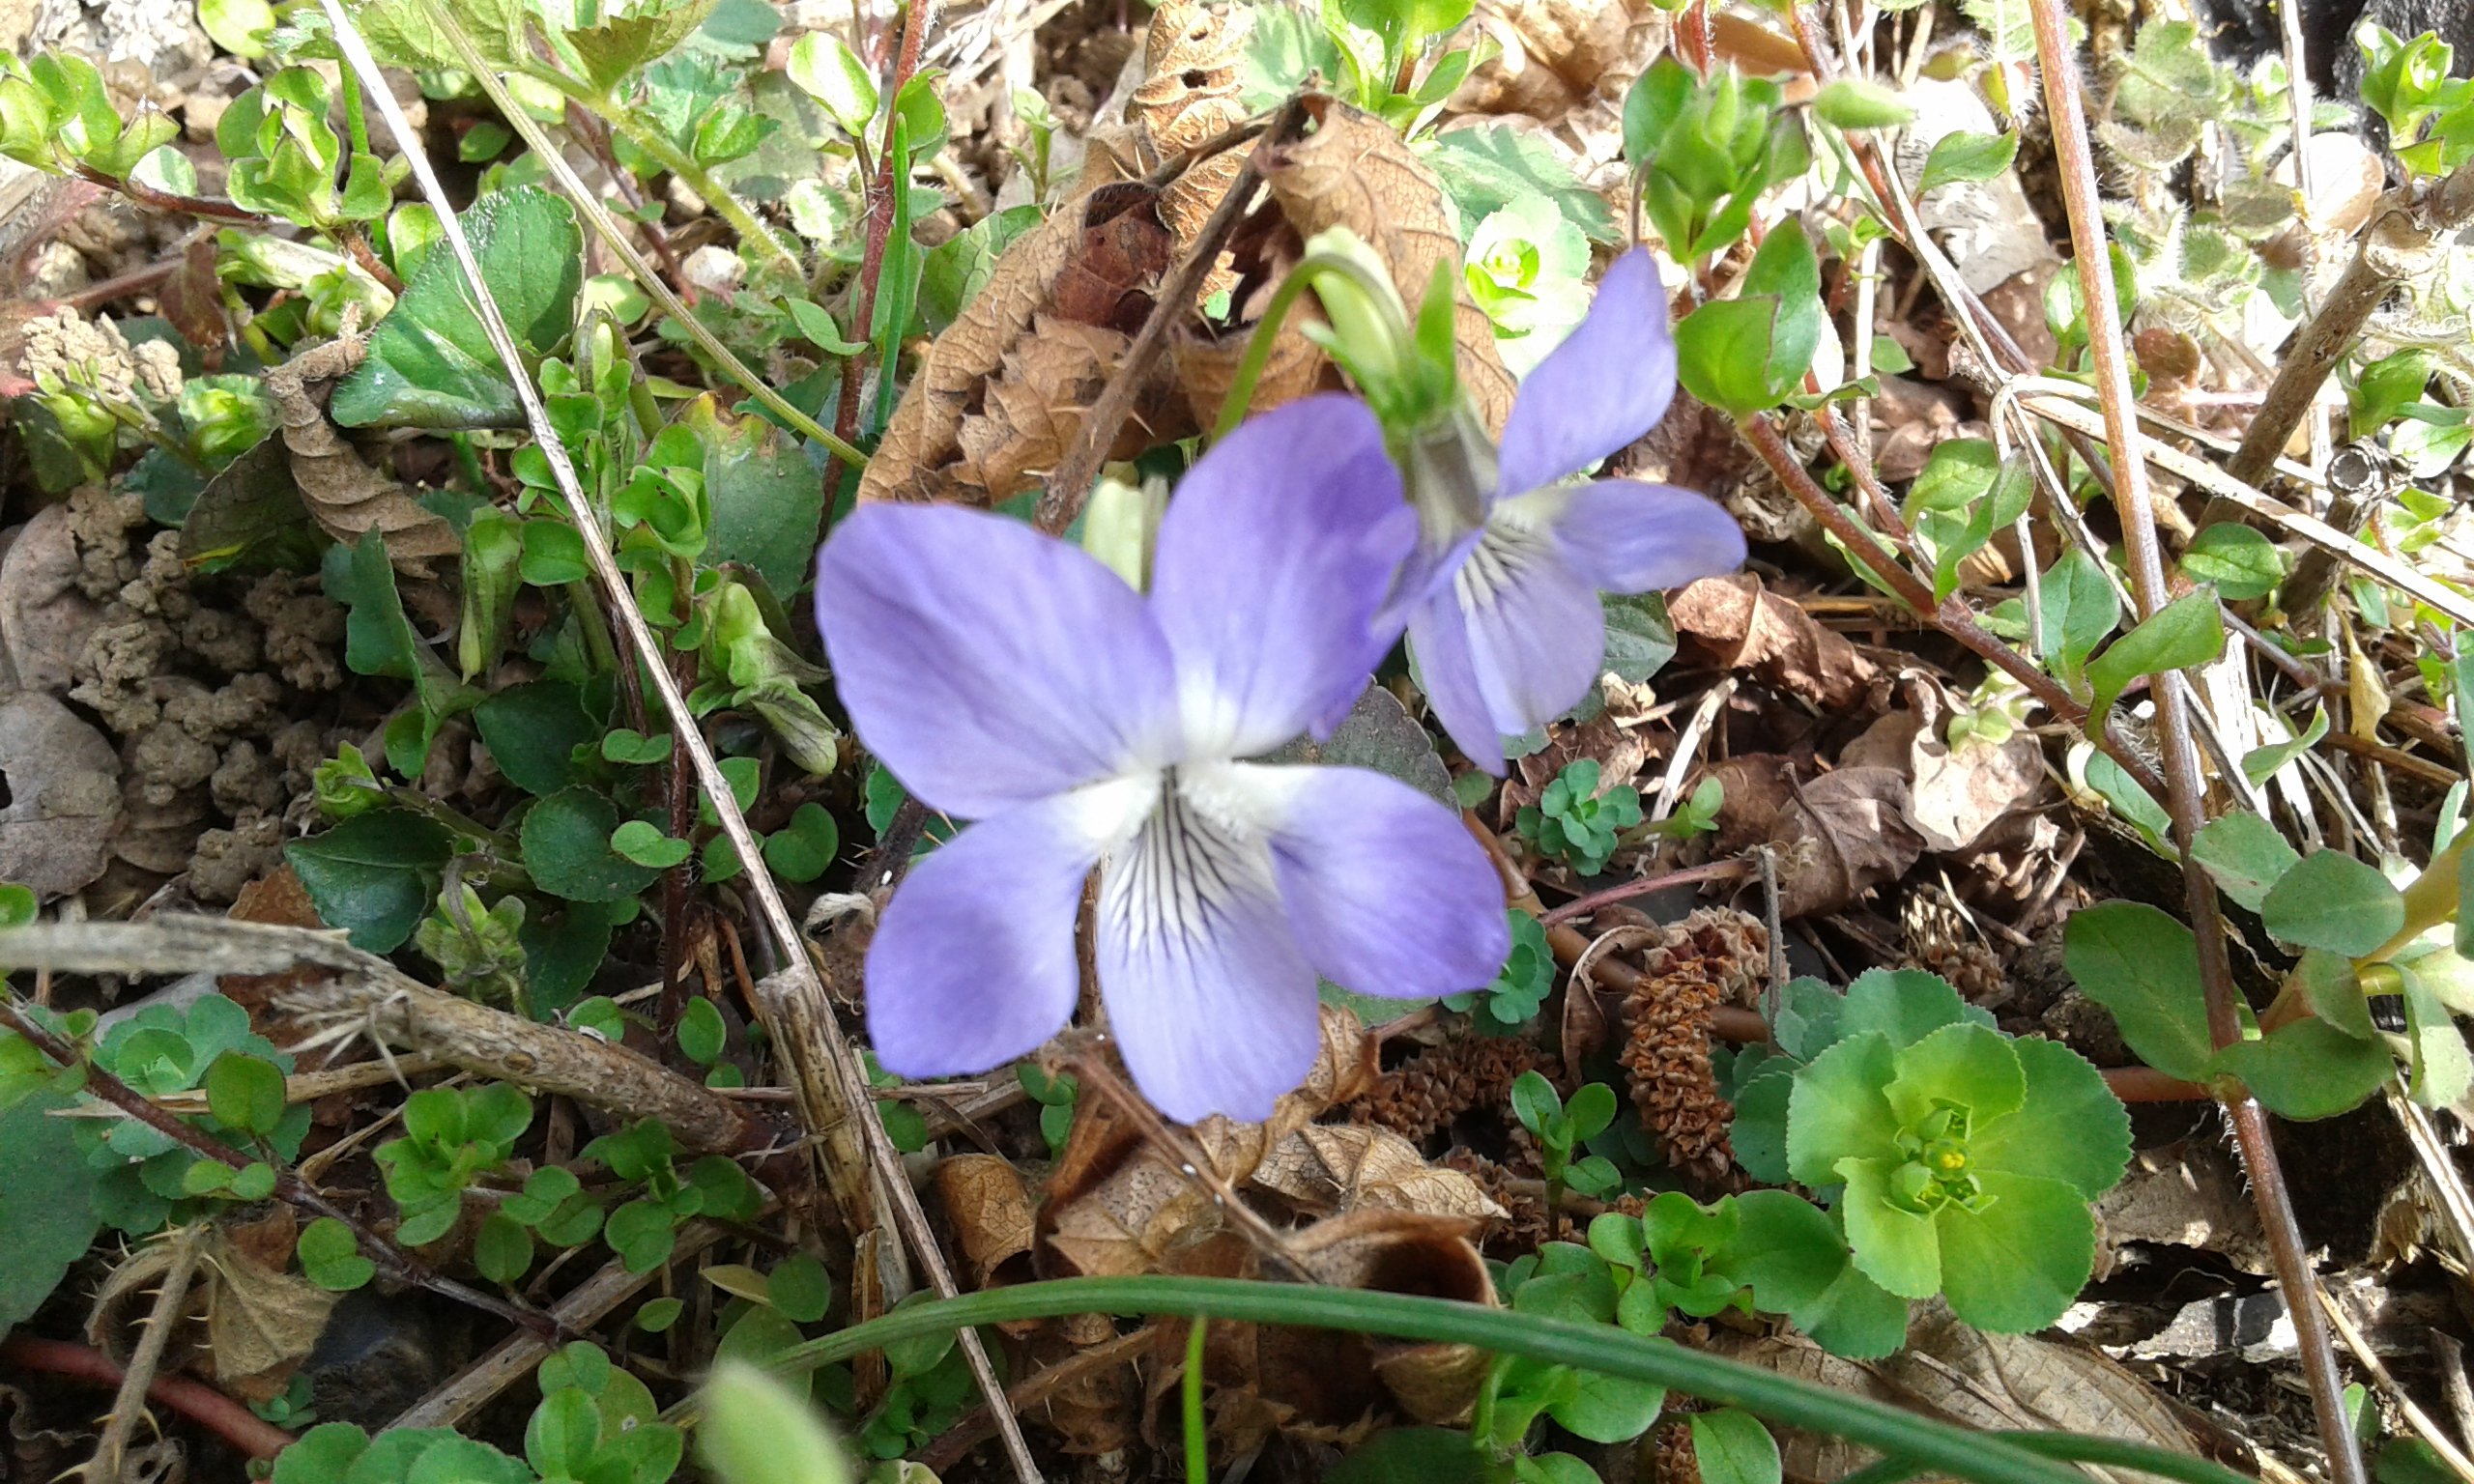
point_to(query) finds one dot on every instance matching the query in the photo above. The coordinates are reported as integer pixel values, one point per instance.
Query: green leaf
(1640, 638)
(2329, 900)
(2079, 609)
(1956, 474)
(804, 850)
(430, 363)
(1608, 1409)
(1963, 1066)
(502, 1248)
(2144, 967)
(1745, 354)
(2261, 764)
(47, 1212)
(2245, 854)
(2241, 562)
(1856, 1318)
(2070, 1126)
(18, 905)
(644, 844)
(766, 498)
(331, 1257)
(1905, 1004)
(799, 1288)
(374, 875)
(758, 1430)
(1487, 169)
(2018, 1262)
(532, 731)
(701, 1032)
(566, 848)
(1896, 1247)
(554, 554)
(1961, 155)
(564, 1434)
(1839, 1110)
(2183, 633)
(625, 42)
(245, 1094)
(2310, 1068)
(238, 26)
(2441, 1069)
(1396, 1455)
(1851, 103)
(825, 69)
(954, 270)
(1785, 1248)
(1533, 1101)
(1732, 1447)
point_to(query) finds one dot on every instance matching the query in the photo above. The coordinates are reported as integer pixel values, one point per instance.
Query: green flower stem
(674, 159)
(2430, 901)
(1259, 349)
(1988, 1458)
(1197, 1441)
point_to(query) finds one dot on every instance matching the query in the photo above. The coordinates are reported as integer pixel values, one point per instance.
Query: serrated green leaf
(1839, 1110)
(2017, 1262)
(1896, 1247)
(430, 363)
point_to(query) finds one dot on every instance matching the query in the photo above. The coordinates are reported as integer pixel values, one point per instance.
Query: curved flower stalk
(1502, 600)
(1010, 679)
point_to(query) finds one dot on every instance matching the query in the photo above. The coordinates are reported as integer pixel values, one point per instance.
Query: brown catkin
(1716, 957)
(1422, 1095)
(1672, 1459)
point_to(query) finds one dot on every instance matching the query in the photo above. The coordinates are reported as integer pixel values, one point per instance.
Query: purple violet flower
(1012, 679)
(1507, 631)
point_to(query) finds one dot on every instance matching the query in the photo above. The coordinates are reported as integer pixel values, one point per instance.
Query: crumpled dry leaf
(44, 620)
(62, 781)
(987, 1203)
(1954, 794)
(1554, 54)
(1740, 626)
(1840, 836)
(1192, 93)
(343, 495)
(1114, 1205)
(1002, 391)
(1355, 171)
(1324, 1170)
(2009, 1381)
(261, 1321)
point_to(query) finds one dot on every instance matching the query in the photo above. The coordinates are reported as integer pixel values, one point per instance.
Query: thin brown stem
(171, 1292)
(1952, 617)
(289, 1187)
(2185, 798)
(2403, 240)
(1069, 484)
(1582, 906)
(211, 207)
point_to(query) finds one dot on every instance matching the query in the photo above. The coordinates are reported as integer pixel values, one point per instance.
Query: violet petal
(1536, 631)
(973, 963)
(1626, 535)
(986, 664)
(1274, 555)
(1439, 641)
(1211, 999)
(1607, 384)
(1390, 892)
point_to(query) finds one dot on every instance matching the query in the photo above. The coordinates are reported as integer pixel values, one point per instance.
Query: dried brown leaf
(1355, 171)
(44, 620)
(343, 495)
(64, 796)
(1736, 624)
(1325, 1170)
(261, 1321)
(987, 1203)
(1555, 54)
(1191, 93)
(1843, 834)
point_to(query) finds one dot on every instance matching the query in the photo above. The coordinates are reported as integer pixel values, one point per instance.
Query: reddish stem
(237, 1425)
(1646, 885)
(892, 174)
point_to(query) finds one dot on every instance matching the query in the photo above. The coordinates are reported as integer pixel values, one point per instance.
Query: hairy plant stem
(2185, 796)
(111, 1452)
(1951, 615)
(2404, 239)
(237, 1425)
(725, 202)
(289, 1187)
